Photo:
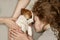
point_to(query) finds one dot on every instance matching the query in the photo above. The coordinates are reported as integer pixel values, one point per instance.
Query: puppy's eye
(27, 19)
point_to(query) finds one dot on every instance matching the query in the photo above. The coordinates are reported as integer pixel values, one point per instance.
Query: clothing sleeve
(47, 35)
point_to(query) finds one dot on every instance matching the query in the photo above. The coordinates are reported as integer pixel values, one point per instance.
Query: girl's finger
(17, 31)
(13, 33)
(12, 37)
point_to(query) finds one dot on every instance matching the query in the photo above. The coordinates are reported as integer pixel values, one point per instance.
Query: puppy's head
(27, 13)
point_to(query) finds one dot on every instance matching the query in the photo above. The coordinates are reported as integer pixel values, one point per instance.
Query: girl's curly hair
(48, 13)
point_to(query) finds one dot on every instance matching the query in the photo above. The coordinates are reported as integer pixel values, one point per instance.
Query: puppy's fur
(24, 20)
(27, 13)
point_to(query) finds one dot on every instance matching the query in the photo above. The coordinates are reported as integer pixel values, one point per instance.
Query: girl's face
(38, 25)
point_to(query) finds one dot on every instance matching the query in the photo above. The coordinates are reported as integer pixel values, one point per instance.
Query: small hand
(11, 24)
(13, 19)
(18, 35)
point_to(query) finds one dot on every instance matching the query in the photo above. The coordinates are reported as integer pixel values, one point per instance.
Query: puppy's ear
(26, 12)
(23, 11)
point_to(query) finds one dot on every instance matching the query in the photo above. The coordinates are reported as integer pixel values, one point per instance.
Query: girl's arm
(9, 22)
(17, 35)
(2, 20)
(21, 4)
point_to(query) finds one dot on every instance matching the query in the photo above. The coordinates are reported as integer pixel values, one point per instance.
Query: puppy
(24, 20)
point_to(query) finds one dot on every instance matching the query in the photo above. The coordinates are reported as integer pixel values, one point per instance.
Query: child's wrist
(2, 20)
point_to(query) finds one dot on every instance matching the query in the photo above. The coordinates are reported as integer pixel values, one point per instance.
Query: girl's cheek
(36, 25)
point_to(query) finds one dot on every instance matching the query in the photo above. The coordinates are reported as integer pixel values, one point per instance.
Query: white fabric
(23, 23)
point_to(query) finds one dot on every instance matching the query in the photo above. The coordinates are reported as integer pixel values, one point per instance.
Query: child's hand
(11, 24)
(13, 19)
(17, 35)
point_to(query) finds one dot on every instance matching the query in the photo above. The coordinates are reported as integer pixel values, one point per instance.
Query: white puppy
(24, 20)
